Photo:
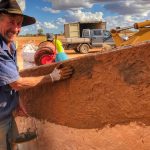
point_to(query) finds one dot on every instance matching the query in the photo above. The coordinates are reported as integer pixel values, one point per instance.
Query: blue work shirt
(8, 73)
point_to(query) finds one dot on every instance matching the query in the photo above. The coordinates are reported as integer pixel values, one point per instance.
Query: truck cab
(98, 37)
(82, 36)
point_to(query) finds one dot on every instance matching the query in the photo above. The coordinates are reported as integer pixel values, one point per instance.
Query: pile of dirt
(105, 105)
(56, 137)
(106, 88)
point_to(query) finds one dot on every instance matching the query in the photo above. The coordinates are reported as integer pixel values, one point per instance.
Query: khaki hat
(12, 7)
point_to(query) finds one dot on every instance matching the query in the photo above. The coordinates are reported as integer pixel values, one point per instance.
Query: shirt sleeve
(8, 70)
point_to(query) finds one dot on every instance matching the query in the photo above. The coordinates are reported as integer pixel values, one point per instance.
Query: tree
(40, 31)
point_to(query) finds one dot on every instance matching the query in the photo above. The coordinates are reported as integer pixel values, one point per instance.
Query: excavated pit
(106, 89)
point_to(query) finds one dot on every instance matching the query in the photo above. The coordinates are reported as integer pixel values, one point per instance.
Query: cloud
(49, 25)
(60, 21)
(123, 20)
(129, 7)
(82, 16)
(46, 9)
(45, 25)
(120, 7)
(27, 30)
(123, 13)
(69, 4)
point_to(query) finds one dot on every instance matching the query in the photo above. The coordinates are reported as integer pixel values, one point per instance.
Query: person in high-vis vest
(60, 53)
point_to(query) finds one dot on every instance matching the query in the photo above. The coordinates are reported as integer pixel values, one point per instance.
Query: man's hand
(61, 73)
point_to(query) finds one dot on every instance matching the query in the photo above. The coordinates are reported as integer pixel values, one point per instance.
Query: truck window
(86, 33)
(97, 32)
(106, 33)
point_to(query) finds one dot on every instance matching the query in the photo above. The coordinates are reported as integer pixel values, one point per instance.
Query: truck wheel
(84, 49)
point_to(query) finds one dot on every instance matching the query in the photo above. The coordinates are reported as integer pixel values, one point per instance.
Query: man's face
(10, 26)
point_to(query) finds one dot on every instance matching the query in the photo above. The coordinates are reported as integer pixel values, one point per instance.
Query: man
(11, 21)
(60, 54)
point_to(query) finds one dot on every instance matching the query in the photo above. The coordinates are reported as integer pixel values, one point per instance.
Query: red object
(44, 55)
(47, 59)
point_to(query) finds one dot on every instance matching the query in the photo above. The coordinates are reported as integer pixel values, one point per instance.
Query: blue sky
(52, 14)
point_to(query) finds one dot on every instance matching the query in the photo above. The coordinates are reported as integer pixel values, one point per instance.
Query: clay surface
(106, 88)
(57, 137)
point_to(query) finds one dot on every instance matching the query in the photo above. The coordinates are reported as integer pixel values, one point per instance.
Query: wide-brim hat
(12, 7)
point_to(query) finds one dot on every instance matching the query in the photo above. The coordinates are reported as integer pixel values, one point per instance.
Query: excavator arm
(140, 36)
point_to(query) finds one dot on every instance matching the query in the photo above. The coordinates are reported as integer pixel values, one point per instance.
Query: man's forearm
(57, 74)
(29, 82)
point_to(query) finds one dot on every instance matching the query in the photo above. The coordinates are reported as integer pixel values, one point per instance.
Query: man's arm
(29, 82)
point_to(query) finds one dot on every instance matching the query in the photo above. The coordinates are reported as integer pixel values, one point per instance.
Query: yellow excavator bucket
(140, 36)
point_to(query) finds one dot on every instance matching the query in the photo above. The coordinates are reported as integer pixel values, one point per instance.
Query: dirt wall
(109, 88)
(104, 106)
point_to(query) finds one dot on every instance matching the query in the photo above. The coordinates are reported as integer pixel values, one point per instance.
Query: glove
(55, 75)
(61, 72)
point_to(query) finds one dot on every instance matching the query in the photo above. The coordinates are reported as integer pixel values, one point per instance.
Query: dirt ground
(56, 137)
(132, 136)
